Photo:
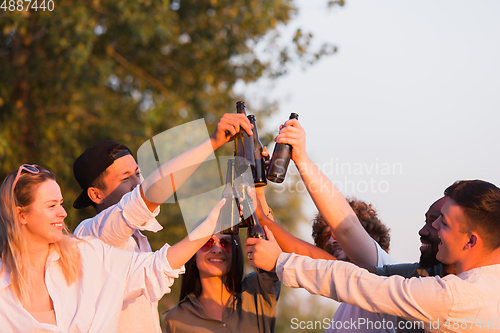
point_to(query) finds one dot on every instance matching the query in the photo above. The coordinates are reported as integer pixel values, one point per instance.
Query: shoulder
(383, 257)
(261, 277)
(91, 246)
(183, 312)
(261, 283)
(406, 270)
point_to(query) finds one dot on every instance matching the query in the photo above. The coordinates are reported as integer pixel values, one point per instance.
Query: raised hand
(263, 253)
(293, 134)
(228, 126)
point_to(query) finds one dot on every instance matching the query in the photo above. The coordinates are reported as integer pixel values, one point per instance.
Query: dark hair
(480, 202)
(191, 283)
(99, 181)
(368, 218)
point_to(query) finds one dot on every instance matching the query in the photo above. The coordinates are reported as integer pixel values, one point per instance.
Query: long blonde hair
(13, 243)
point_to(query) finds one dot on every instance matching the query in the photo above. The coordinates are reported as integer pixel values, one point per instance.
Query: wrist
(302, 162)
(270, 214)
(214, 143)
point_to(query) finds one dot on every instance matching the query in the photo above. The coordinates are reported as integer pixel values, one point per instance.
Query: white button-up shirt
(115, 226)
(467, 302)
(94, 302)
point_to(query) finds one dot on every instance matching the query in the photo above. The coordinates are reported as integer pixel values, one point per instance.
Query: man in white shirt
(109, 177)
(469, 230)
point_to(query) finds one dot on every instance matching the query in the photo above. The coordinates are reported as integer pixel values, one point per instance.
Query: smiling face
(122, 177)
(429, 235)
(43, 220)
(453, 241)
(216, 261)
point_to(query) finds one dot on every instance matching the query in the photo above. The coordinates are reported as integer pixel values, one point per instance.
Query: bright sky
(409, 104)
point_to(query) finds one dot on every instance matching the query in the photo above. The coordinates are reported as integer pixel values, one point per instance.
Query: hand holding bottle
(293, 134)
(263, 253)
(281, 158)
(228, 126)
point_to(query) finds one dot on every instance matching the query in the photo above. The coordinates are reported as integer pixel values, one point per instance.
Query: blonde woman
(51, 281)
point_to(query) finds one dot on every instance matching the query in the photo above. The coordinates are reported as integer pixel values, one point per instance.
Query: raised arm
(331, 204)
(181, 252)
(136, 211)
(288, 242)
(157, 187)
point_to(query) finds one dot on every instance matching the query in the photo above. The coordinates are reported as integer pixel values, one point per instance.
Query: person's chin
(428, 260)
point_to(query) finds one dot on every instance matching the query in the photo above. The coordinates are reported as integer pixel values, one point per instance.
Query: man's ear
(21, 215)
(95, 195)
(473, 240)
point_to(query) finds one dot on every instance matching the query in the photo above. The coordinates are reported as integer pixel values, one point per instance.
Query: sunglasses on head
(225, 244)
(25, 167)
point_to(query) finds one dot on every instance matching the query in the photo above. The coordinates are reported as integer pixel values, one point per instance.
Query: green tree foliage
(127, 70)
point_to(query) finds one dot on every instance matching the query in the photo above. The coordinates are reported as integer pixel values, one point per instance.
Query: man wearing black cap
(109, 175)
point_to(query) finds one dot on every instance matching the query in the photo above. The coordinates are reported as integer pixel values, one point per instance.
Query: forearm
(291, 244)
(164, 181)
(344, 282)
(287, 241)
(116, 224)
(335, 209)
(181, 252)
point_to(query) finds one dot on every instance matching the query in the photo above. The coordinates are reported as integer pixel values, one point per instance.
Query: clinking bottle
(259, 170)
(243, 145)
(249, 217)
(280, 159)
(229, 216)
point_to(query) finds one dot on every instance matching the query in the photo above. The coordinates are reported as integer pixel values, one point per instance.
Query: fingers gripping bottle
(281, 158)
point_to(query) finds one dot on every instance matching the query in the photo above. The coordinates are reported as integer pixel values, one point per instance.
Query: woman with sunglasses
(214, 297)
(50, 281)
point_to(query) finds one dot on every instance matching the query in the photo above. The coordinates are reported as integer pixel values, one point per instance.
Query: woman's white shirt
(94, 302)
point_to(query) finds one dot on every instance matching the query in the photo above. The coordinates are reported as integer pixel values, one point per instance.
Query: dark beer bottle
(249, 217)
(259, 170)
(280, 159)
(240, 185)
(229, 216)
(243, 145)
(254, 229)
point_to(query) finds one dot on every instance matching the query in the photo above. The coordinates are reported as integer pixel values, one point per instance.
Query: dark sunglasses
(324, 237)
(225, 244)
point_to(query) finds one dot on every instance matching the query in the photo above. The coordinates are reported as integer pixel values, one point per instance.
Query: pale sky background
(412, 92)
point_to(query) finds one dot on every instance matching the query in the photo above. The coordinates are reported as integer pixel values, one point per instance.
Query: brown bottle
(254, 229)
(240, 185)
(280, 160)
(243, 145)
(229, 216)
(249, 217)
(259, 170)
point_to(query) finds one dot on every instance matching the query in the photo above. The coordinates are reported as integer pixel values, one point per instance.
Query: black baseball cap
(94, 161)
